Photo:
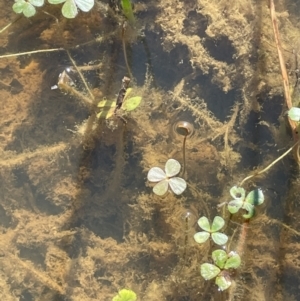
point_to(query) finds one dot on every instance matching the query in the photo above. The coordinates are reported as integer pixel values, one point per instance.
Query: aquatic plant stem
(269, 166)
(239, 250)
(31, 52)
(124, 50)
(183, 154)
(81, 76)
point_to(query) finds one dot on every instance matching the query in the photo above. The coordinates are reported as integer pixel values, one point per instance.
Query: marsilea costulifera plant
(69, 8)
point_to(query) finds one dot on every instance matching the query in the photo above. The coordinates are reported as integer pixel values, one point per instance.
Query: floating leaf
(209, 271)
(219, 238)
(250, 209)
(294, 114)
(106, 103)
(172, 168)
(217, 224)
(234, 206)
(128, 91)
(106, 113)
(27, 7)
(201, 237)
(125, 295)
(223, 282)
(131, 103)
(156, 174)
(204, 223)
(233, 261)
(238, 193)
(161, 187)
(69, 9)
(255, 197)
(178, 185)
(219, 257)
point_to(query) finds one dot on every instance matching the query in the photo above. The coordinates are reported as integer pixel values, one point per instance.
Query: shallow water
(78, 218)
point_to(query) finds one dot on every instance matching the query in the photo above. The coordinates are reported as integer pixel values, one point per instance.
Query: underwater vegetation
(102, 216)
(167, 178)
(125, 295)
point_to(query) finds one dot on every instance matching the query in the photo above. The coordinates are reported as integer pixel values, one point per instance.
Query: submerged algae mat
(78, 220)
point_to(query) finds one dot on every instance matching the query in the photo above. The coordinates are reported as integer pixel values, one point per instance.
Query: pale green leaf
(106, 113)
(128, 91)
(106, 103)
(156, 174)
(172, 168)
(217, 224)
(234, 206)
(204, 223)
(85, 5)
(294, 114)
(131, 103)
(255, 197)
(29, 10)
(56, 1)
(161, 188)
(223, 282)
(125, 295)
(69, 9)
(219, 238)
(201, 237)
(209, 271)
(37, 3)
(238, 193)
(178, 185)
(233, 261)
(219, 257)
(250, 209)
(19, 6)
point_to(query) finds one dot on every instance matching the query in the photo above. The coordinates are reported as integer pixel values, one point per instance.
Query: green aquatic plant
(125, 295)
(167, 178)
(294, 114)
(217, 224)
(27, 7)
(127, 10)
(223, 263)
(108, 106)
(254, 198)
(70, 10)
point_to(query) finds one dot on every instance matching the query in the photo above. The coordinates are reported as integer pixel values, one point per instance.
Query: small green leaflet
(209, 271)
(27, 7)
(69, 9)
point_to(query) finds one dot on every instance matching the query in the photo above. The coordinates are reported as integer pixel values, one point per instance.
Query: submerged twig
(270, 165)
(285, 78)
(30, 52)
(81, 76)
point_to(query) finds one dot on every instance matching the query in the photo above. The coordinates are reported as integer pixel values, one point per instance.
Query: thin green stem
(269, 166)
(183, 154)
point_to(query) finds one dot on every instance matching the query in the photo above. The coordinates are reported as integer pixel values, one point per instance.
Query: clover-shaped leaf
(27, 7)
(254, 198)
(217, 237)
(69, 9)
(223, 262)
(167, 178)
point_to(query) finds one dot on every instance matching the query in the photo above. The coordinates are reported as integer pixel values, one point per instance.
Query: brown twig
(285, 78)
